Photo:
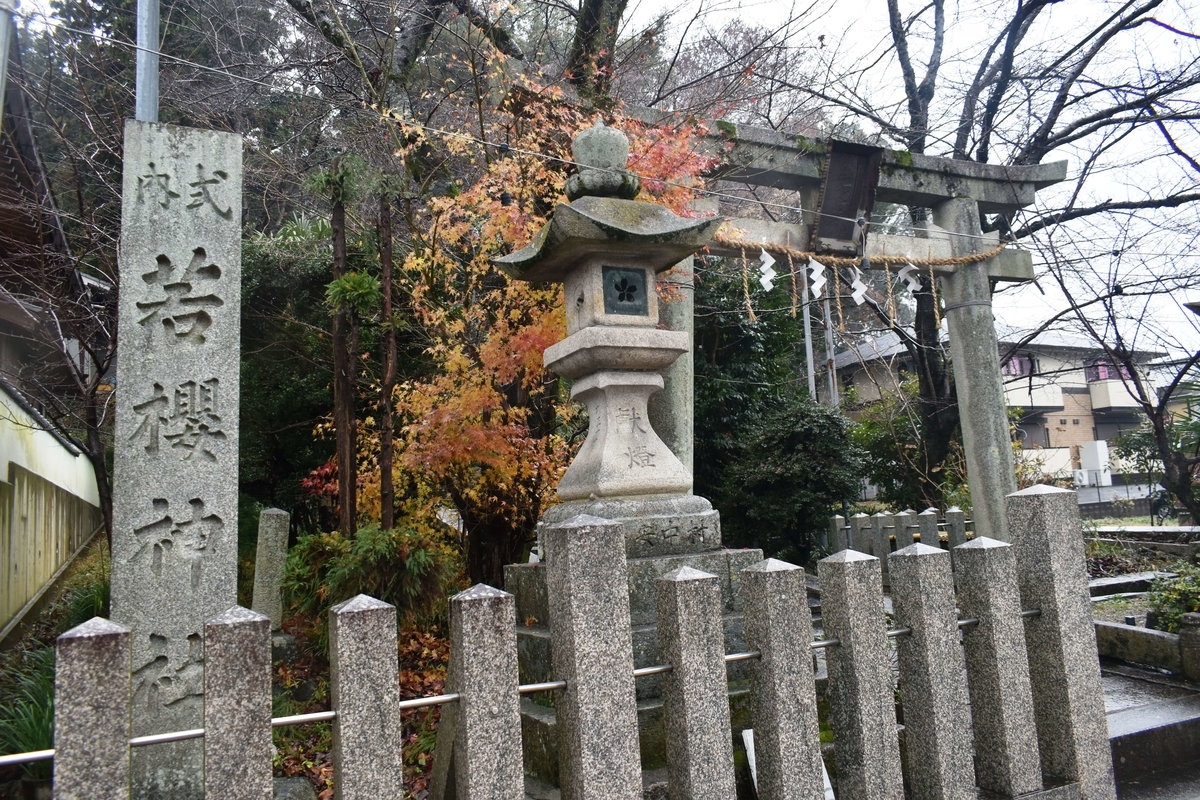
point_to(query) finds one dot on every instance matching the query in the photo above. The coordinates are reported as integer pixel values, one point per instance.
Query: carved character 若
(181, 305)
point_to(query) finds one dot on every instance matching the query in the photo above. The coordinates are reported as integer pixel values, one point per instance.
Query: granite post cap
(96, 626)
(235, 615)
(846, 556)
(360, 603)
(480, 591)
(771, 565)
(686, 574)
(918, 549)
(982, 543)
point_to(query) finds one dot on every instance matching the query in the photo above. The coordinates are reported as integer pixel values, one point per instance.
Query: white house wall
(49, 507)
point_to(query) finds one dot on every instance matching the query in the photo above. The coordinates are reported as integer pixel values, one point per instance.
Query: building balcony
(1111, 395)
(1033, 393)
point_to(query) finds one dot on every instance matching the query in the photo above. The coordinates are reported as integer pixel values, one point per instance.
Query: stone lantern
(607, 248)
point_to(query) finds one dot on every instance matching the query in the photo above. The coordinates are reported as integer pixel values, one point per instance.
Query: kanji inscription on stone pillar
(174, 559)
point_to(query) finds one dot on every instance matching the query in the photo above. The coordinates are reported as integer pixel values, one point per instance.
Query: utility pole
(146, 109)
(809, 366)
(834, 401)
(7, 8)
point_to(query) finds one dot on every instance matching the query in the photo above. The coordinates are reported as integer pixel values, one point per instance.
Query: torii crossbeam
(958, 192)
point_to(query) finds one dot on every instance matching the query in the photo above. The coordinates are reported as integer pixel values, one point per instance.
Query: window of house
(1017, 366)
(1104, 370)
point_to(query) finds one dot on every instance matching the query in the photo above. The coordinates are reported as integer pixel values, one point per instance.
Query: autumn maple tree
(488, 432)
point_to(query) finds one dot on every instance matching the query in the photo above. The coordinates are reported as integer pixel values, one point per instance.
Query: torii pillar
(975, 356)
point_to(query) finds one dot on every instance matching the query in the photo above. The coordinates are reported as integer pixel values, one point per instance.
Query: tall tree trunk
(938, 408)
(343, 373)
(96, 457)
(590, 63)
(386, 490)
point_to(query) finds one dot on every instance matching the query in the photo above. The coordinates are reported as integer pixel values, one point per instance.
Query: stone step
(1117, 584)
(1153, 725)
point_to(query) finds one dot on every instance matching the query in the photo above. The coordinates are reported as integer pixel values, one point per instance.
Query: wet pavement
(1178, 784)
(1141, 700)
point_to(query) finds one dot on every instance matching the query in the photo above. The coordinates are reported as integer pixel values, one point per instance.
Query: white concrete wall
(24, 443)
(49, 506)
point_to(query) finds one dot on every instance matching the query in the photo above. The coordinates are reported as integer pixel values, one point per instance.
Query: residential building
(1064, 391)
(49, 499)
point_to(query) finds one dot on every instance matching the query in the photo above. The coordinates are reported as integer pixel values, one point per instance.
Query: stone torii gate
(958, 192)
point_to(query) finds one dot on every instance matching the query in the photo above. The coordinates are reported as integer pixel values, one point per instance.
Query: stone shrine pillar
(975, 356)
(607, 248)
(174, 548)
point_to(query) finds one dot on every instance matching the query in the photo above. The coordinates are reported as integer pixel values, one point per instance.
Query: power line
(394, 116)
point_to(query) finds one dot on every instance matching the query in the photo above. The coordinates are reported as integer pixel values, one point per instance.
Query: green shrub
(1171, 598)
(410, 570)
(88, 600)
(789, 471)
(27, 715)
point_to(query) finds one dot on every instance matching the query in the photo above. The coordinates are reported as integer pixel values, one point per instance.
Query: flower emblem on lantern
(625, 290)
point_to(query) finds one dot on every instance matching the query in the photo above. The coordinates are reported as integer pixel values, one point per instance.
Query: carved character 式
(183, 305)
(202, 191)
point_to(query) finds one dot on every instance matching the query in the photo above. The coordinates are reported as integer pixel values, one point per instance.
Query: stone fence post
(927, 522)
(882, 526)
(591, 642)
(1043, 522)
(269, 560)
(365, 688)
(936, 733)
(956, 526)
(479, 737)
(91, 712)
(237, 706)
(862, 531)
(1189, 646)
(1006, 755)
(786, 738)
(695, 692)
(861, 698)
(837, 533)
(906, 526)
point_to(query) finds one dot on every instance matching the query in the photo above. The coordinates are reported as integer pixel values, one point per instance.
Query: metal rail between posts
(442, 699)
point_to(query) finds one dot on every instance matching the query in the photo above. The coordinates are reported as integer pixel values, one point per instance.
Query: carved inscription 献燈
(188, 420)
(173, 538)
(631, 418)
(639, 456)
(183, 303)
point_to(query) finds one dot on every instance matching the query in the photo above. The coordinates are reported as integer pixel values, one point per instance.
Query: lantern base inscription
(622, 455)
